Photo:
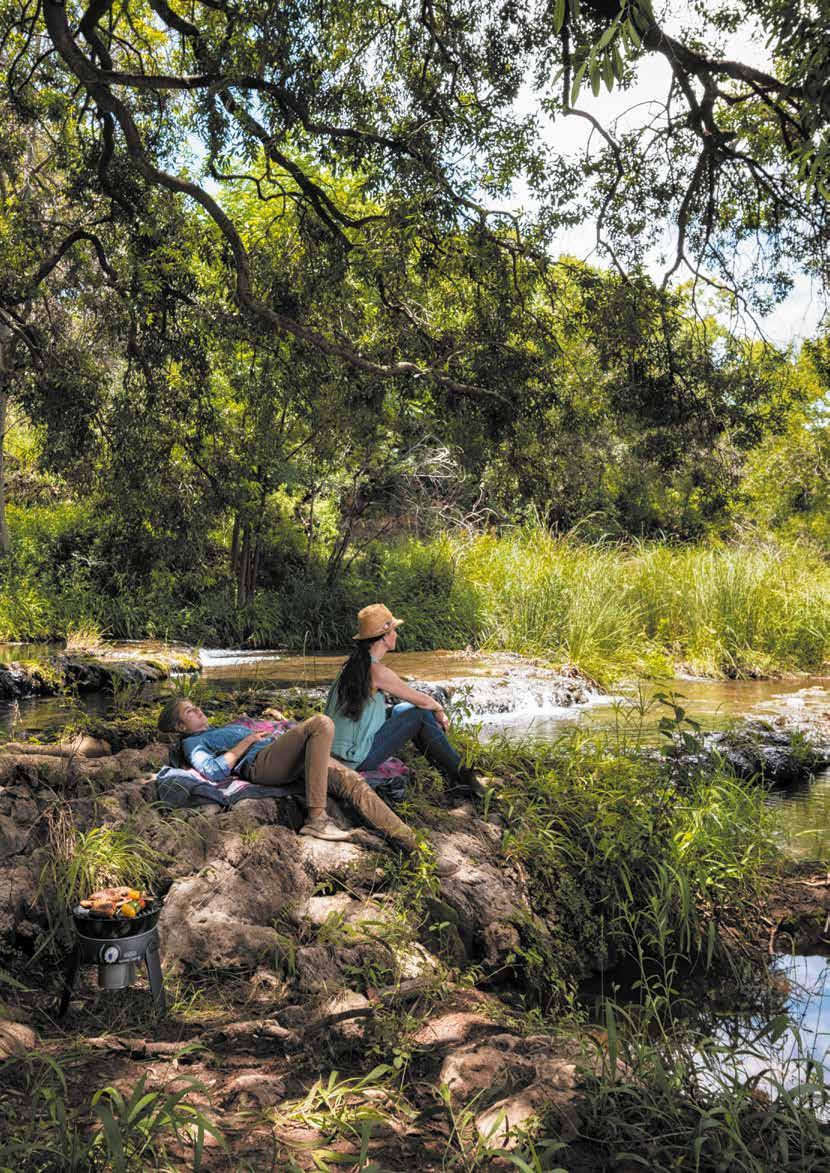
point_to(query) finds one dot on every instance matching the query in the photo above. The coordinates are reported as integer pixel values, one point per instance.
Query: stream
(506, 696)
(503, 694)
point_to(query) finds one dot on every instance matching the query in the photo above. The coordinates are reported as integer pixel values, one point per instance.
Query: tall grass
(541, 594)
(718, 609)
(622, 855)
(736, 609)
(612, 609)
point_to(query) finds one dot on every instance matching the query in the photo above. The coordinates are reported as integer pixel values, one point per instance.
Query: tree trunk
(235, 545)
(247, 565)
(4, 401)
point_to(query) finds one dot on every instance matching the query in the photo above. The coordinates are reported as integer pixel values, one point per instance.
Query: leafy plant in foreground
(43, 1131)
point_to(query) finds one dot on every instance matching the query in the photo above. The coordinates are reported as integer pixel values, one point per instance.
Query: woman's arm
(384, 678)
(218, 767)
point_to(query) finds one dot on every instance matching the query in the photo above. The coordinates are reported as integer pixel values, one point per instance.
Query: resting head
(181, 716)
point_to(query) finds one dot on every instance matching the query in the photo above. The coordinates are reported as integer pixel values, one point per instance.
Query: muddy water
(711, 702)
(524, 705)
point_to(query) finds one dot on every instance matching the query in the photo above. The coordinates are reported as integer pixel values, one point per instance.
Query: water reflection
(790, 1054)
(804, 817)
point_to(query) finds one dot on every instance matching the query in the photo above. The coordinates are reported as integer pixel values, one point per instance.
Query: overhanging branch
(90, 77)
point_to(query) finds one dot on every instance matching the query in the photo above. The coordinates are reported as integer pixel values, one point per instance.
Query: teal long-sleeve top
(204, 750)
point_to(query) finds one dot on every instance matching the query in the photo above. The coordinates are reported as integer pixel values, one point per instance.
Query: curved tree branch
(54, 259)
(90, 77)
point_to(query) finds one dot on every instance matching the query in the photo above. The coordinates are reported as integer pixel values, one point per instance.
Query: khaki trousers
(307, 747)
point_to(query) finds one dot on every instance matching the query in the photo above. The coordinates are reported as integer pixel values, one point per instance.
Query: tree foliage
(261, 290)
(417, 103)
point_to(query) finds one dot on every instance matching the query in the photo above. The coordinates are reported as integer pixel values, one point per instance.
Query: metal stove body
(117, 946)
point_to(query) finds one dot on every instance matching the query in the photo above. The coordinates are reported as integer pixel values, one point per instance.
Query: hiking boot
(322, 827)
(470, 780)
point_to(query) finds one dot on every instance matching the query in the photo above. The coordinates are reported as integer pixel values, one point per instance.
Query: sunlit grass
(614, 610)
(716, 609)
(85, 636)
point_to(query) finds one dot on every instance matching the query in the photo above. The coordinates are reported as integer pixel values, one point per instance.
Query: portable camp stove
(117, 945)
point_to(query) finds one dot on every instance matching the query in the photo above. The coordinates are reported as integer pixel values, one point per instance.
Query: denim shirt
(204, 751)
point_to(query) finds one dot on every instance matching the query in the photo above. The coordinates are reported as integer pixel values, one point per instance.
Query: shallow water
(524, 691)
(770, 1055)
(531, 710)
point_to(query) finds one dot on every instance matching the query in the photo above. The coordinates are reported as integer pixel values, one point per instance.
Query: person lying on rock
(278, 759)
(364, 733)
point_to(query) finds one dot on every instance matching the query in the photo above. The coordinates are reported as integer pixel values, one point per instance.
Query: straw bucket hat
(374, 621)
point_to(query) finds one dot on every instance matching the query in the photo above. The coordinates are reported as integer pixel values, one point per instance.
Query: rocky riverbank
(104, 671)
(318, 929)
(779, 753)
(441, 1001)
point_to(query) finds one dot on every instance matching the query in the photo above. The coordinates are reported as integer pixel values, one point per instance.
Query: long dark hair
(168, 722)
(354, 684)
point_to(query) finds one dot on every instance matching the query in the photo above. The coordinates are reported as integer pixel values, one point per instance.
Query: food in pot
(113, 902)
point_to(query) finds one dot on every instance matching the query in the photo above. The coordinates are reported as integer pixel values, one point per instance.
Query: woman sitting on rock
(364, 733)
(276, 759)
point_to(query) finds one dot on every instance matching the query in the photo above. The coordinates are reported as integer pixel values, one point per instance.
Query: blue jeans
(408, 723)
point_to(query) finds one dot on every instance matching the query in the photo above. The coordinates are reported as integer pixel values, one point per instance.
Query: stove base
(117, 961)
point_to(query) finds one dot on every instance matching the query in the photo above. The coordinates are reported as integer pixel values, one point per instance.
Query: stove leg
(70, 972)
(153, 962)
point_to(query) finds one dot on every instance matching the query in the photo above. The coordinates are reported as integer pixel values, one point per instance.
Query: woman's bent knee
(320, 723)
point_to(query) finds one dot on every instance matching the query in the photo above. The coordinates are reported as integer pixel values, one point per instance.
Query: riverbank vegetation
(580, 462)
(563, 1031)
(653, 497)
(611, 609)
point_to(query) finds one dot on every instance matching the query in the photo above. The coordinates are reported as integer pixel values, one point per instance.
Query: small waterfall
(517, 694)
(227, 657)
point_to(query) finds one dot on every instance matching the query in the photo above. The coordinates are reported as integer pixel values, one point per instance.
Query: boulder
(13, 837)
(36, 765)
(106, 670)
(448, 1031)
(254, 1089)
(511, 1079)
(19, 880)
(16, 1039)
(316, 971)
(779, 753)
(81, 744)
(486, 894)
(222, 916)
(350, 1029)
(18, 680)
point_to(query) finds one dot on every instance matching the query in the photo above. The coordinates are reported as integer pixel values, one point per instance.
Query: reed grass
(86, 637)
(614, 610)
(650, 608)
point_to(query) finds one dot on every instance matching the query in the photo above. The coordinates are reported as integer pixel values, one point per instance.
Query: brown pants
(307, 747)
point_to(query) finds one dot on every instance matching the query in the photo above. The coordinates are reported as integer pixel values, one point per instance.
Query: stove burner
(117, 945)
